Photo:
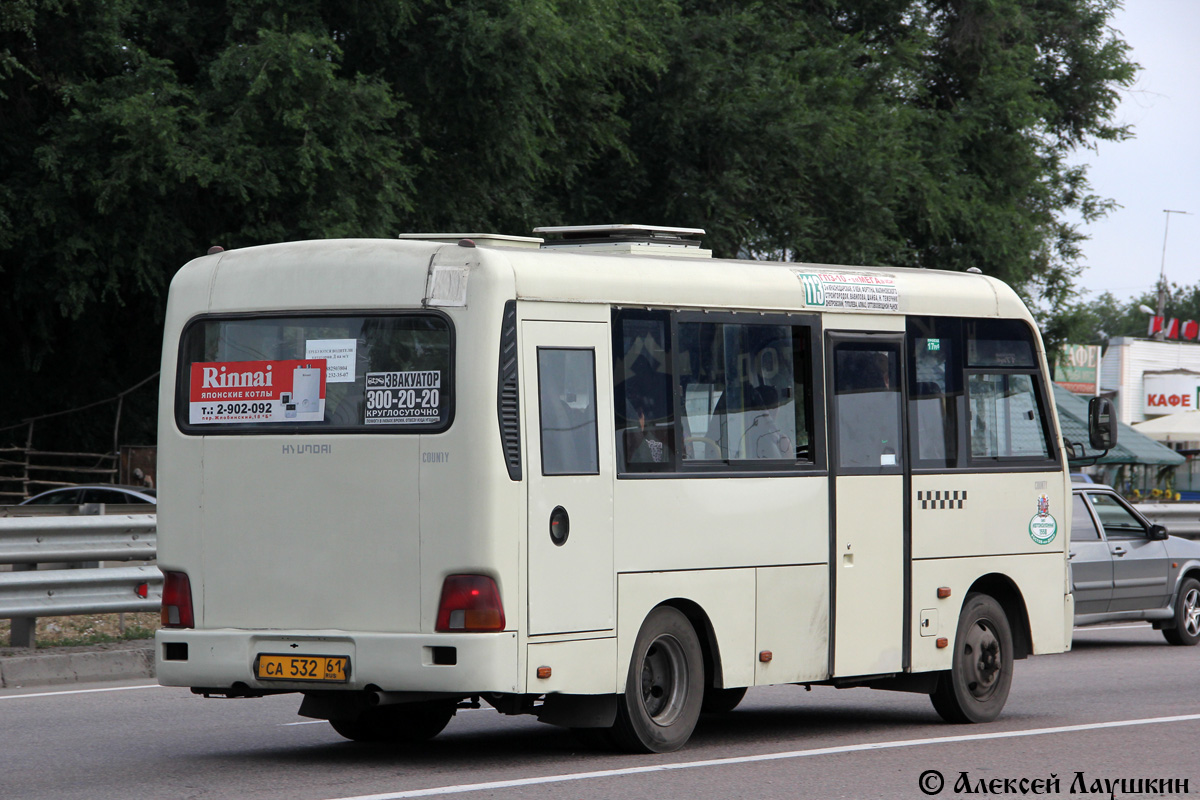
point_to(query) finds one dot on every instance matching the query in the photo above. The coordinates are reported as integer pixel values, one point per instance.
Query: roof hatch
(651, 240)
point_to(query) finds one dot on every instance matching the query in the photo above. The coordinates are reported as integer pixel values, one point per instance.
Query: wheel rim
(1191, 612)
(664, 680)
(982, 660)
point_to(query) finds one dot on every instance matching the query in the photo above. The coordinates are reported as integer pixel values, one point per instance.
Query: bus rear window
(318, 373)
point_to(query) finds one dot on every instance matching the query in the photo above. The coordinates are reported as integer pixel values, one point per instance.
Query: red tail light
(177, 601)
(470, 603)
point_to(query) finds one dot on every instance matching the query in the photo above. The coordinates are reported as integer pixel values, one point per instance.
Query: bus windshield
(319, 373)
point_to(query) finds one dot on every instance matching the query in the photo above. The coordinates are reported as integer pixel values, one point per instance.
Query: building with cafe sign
(1151, 380)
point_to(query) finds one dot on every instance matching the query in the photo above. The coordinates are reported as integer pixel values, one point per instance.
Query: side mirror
(1158, 533)
(1102, 423)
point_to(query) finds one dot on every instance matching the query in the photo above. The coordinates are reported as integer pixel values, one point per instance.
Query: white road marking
(82, 691)
(720, 762)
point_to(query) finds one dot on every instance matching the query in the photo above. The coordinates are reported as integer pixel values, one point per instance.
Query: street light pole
(1161, 333)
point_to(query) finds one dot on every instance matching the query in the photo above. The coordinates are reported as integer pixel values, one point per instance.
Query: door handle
(1118, 551)
(1070, 556)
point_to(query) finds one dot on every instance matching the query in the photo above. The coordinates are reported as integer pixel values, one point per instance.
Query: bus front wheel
(976, 686)
(664, 688)
(405, 722)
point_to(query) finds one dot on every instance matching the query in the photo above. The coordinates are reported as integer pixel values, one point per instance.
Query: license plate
(329, 669)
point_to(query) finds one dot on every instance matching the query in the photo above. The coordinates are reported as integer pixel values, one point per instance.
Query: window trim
(182, 373)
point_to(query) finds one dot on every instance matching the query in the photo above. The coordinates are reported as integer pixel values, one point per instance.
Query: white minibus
(602, 478)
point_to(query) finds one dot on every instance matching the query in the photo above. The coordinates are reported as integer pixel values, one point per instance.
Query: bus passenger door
(568, 405)
(868, 574)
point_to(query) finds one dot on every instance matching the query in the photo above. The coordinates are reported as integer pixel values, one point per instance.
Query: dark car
(1123, 567)
(111, 494)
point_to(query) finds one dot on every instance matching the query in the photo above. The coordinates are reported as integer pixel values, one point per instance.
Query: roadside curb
(79, 665)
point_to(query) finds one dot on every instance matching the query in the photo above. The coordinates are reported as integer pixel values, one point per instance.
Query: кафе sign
(1170, 392)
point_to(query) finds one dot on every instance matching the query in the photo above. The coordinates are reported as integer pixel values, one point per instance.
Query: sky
(1160, 168)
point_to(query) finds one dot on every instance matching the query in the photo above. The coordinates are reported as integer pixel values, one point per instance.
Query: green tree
(133, 135)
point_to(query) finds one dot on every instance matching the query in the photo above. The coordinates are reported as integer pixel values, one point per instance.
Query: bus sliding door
(568, 406)
(868, 550)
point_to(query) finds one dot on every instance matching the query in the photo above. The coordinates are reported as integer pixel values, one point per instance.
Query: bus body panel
(868, 568)
(792, 624)
(726, 598)
(279, 545)
(220, 657)
(267, 527)
(1037, 577)
(706, 523)
(578, 666)
(958, 514)
(759, 285)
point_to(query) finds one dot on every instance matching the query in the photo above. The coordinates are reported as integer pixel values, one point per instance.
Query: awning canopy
(1182, 426)
(1132, 447)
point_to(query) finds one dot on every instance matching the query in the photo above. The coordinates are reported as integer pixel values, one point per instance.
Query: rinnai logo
(220, 379)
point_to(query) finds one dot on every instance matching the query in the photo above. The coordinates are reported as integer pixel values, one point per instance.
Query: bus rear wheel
(664, 688)
(975, 688)
(405, 722)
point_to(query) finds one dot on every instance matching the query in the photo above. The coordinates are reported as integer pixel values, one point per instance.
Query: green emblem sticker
(1043, 528)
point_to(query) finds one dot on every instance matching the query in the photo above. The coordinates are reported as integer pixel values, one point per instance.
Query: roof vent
(480, 239)
(650, 240)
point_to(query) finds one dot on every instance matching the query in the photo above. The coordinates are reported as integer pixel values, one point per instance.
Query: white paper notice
(338, 355)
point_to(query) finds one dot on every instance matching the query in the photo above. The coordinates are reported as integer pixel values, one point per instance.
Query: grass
(89, 629)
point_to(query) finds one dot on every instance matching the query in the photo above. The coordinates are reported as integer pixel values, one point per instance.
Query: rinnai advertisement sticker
(403, 398)
(257, 391)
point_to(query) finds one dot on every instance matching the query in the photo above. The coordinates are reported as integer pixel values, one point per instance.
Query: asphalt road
(1122, 705)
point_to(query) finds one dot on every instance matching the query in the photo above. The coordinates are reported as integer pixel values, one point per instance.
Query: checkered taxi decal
(940, 500)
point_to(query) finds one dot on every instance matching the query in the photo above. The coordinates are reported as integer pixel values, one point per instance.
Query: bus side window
(1008, 417)
(567, 405)
(934, 390)
(644, 403)
(747, 392)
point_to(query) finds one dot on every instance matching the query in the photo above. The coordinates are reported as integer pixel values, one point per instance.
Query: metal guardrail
(57, 592)
(1180, 519)
(38, 540)
(81, 536)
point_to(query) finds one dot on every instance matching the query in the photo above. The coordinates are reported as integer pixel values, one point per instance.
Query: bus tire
(664, 688)
(405, 722)
(976, 686)
(721, 701)
(1187, 615)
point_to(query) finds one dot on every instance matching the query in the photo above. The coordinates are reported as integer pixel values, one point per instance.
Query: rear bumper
(482, 662)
